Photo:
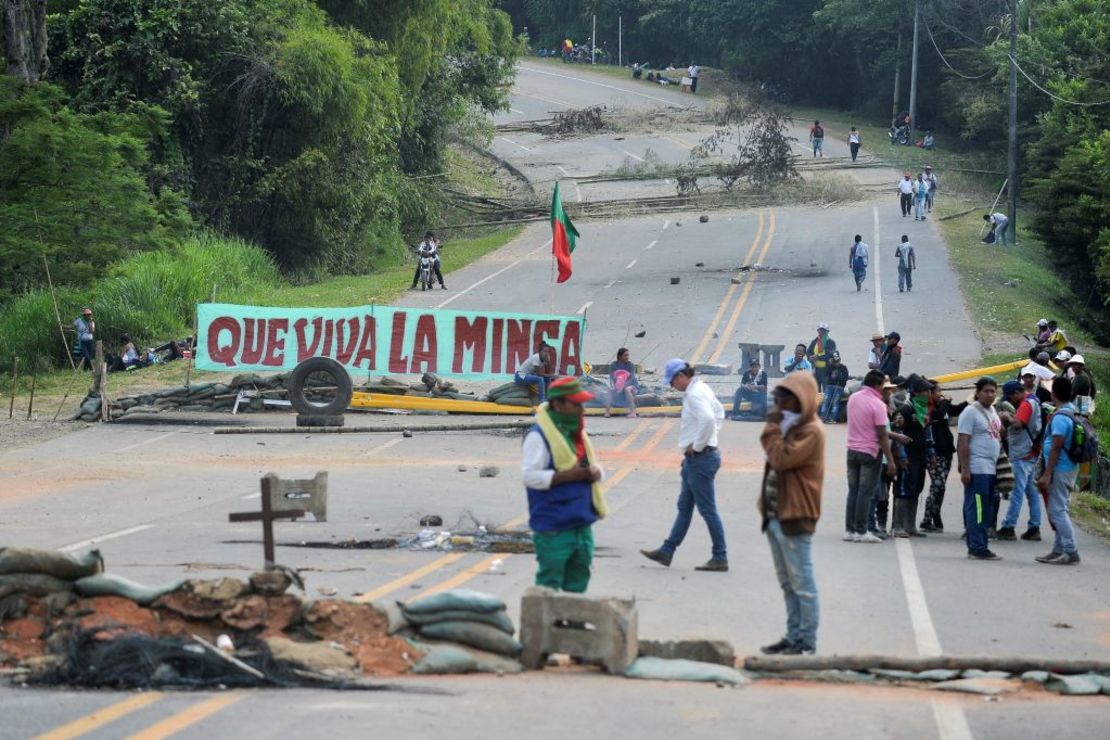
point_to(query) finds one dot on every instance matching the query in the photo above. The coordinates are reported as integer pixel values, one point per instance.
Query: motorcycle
(899, 135)
(427, 272)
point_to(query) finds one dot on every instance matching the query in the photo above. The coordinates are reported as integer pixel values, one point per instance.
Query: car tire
(339, 376)
(319, 420)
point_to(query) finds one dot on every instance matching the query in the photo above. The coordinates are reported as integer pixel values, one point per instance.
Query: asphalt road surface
(155, 498)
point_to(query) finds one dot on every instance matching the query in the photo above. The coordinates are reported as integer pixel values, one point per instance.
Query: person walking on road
(858, 257)
(920, 193)
(980, 443)
(1023, 441)
(931, 181)
(819, 352)
(702, 415)
(939, 461)
(867, 438)
(561, 476)
(790, 505)
(85, 328)
(905, 194)
(892, 356)
(1058, 479)
(907, 263)
(836, 378)
(854, 142)
(817, 137)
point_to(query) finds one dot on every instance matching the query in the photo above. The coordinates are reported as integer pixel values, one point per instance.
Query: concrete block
(716, 368)
(310, 494)
(720, 652)
(592, 630)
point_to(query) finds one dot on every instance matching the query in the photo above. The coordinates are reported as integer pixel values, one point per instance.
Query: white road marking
(585, 305)
(950, 719)
(151, 440)
(651, 245)
(630, 265)
(110, 536)
(577, 190)
(666, 224)
(611, 283)
(638, 159)
(518, 112)
(599, 84)
(384, 446)
(511, 265)
(878, 282)
(505, 138)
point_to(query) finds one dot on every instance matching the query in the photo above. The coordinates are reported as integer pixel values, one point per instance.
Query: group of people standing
(916, 195)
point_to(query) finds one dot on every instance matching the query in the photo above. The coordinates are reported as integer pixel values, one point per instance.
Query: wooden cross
(267, 515)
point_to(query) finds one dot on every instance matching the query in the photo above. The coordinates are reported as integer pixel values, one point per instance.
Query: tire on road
(320, 420)
(339, 376)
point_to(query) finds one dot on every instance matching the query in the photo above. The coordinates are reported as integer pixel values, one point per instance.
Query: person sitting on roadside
(130, 356)
(623, 382)
(537, 370)
(753, 389)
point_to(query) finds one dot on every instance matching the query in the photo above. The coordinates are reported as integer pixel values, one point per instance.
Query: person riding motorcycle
(901, 128)
(428, 248)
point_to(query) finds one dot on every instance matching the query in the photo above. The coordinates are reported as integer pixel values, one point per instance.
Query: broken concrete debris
(489, 471)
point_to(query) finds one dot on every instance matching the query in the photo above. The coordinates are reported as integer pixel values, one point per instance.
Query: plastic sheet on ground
(662, 669)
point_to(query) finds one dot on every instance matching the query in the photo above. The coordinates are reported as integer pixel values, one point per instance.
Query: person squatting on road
(858, 257)
(907, 263)
(1059, 474)
(537, 370)
(836, 378)
(561, 475)
(790, 505)
(1024, 431)
(820, 350)
(702, 415)
(980, 443)
(875, 354)
(867, 437)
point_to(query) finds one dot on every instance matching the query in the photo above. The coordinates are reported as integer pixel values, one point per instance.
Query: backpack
(1041, 415)
(1083, 447)
(818, 132)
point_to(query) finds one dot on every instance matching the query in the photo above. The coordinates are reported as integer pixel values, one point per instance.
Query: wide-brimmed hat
(1076, 360)
(569, 389)
(877, 337)
(1028, 370)
(86, 311)
(1063, 356)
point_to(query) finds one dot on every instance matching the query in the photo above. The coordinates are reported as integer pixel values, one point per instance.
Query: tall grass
(149, 296)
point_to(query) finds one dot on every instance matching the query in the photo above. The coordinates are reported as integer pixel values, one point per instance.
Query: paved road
(155, 500)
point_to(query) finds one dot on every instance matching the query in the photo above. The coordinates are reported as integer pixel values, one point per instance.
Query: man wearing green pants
(561, 477)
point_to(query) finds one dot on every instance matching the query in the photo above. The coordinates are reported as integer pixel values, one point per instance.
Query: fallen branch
(780, 664)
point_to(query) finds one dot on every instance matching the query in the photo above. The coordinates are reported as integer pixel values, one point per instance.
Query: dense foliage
(844, 53)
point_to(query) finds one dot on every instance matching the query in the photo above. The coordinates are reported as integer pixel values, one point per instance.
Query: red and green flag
(563, 236)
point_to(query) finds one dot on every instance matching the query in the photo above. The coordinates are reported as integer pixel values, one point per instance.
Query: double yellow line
(168, 727)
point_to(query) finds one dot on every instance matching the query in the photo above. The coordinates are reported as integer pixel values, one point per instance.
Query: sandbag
(449, 659)
(475, 634)
(498, 619)
(662, 669)
(109, 584)
(395, 617)
(32, 584)
(68, 566)
(459, 598)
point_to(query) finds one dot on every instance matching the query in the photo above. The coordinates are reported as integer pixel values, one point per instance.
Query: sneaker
(899, 533)
(776, 648)
(714, 566)
(1033, 534)
(1067, 558)
(984, 555)
(869, 538)
(444, 287)
(1006, 533)
(798, 648)
(927, 527)
(663, 558)
(850, 537)
(1049, 558)
(991, 534)
(880, 533)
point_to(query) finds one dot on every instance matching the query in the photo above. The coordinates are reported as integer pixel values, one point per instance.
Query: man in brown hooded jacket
(790, 504)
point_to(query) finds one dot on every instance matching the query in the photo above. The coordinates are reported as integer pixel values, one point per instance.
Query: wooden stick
(31, 403)
(15, 377)
(776, 664)
(69, 387)
(57, 314)
(229, 658)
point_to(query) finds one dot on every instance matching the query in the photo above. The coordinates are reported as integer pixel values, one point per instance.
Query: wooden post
(31, 403)
(15, 377)
(100, 380)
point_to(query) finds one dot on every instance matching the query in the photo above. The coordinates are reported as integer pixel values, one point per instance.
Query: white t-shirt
(905, 186)
(693, 71)
(984, 430)
(999, 219)
(903, 253)
(861, 252)
(853, 137)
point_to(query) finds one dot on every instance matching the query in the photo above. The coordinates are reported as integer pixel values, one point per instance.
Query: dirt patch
(362, 630)
(24, 433)
(270, 615)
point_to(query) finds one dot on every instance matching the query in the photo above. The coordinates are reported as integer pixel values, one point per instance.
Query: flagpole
(552, 284)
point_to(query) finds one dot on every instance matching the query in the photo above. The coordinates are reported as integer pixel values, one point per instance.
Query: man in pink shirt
(867, 437)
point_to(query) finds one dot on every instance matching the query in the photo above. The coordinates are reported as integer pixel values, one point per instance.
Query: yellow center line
(187, 717)
(462, 576)
(727, 333)
(408, 578)
(627, 442)
(678, 141)
(708, 336)
(100, 717)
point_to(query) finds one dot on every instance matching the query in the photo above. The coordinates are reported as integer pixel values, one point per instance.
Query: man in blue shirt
(798, 361)
(1059, 475)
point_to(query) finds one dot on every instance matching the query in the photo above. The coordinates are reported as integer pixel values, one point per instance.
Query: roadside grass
(1092, 512)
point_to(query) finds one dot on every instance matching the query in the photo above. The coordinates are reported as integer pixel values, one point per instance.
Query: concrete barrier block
(310, 494)
(592, 630)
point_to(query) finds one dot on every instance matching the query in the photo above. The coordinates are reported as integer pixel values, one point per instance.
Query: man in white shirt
(702, 415)
(905, 194)
(692, 73)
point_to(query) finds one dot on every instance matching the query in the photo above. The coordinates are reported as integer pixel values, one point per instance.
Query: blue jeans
(1059, 492)
(538, 380)
(758, 400)
(830, 407)
(978, 510)
(1023, 488)
(793, 557)
(1000, 233)
(919, 207)
(698, 472)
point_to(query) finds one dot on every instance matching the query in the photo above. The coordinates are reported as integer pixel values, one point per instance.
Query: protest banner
(478, 345)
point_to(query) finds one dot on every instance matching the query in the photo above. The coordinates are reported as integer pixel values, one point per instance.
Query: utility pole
(620, 41)
(894, 107)
(593, 43)
(1012, 209)
(913, 69)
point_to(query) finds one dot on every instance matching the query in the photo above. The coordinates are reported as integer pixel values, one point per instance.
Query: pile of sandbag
(476, 627)
(511, 394)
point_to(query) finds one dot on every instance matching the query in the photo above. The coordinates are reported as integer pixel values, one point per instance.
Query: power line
(941, 55)
(1053, 95)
